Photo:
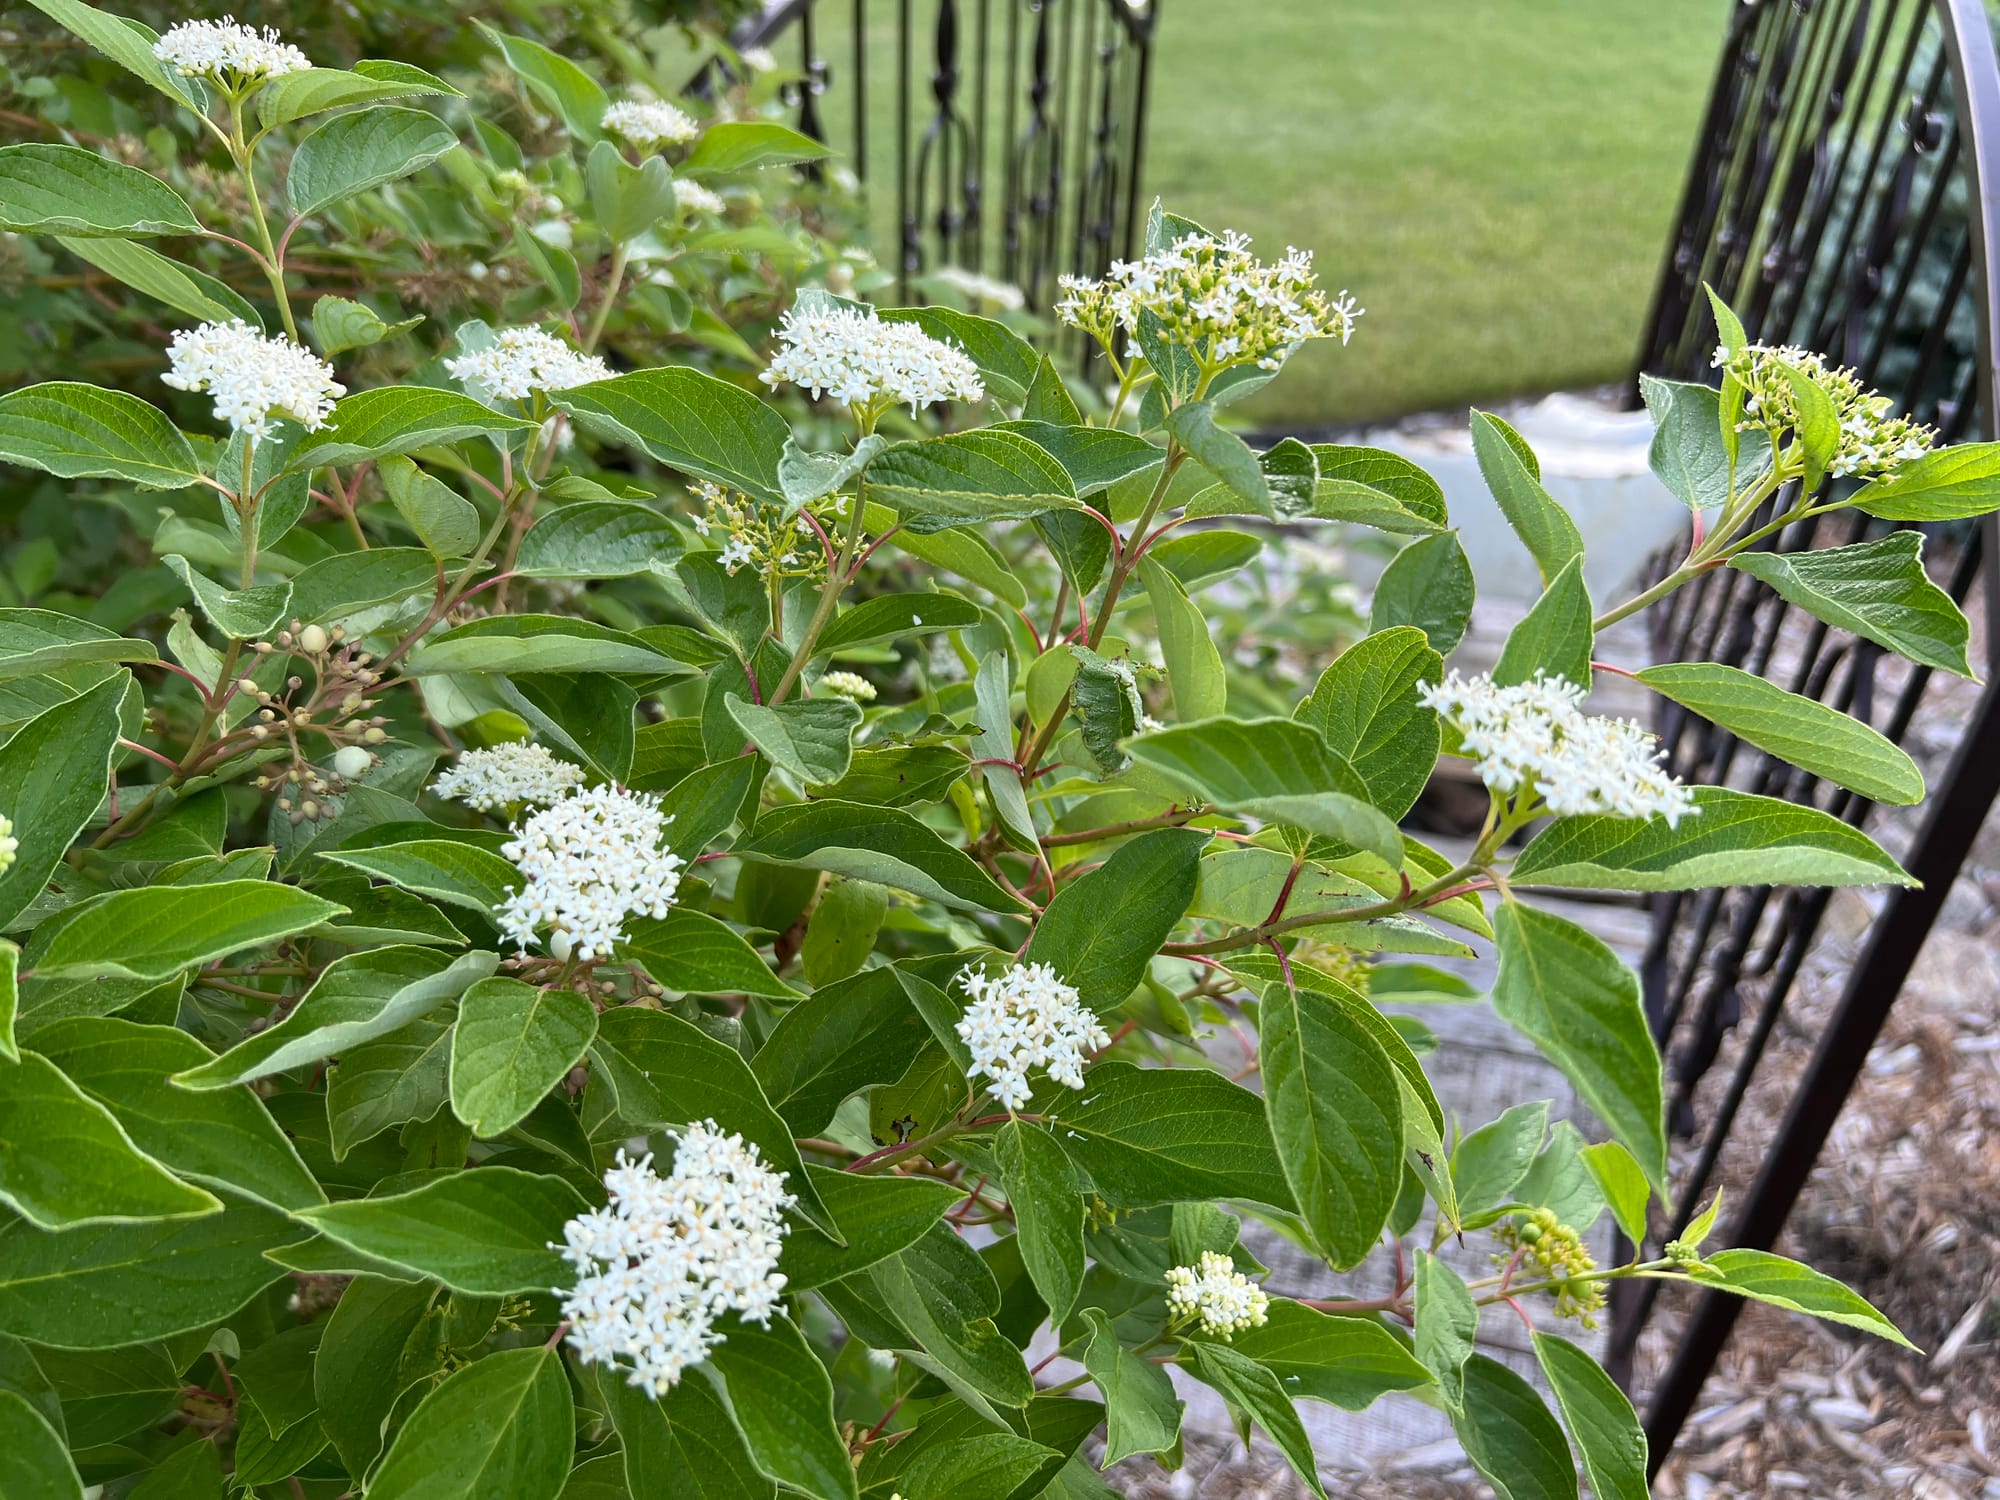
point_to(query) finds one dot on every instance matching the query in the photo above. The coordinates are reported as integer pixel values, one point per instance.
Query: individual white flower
(9, 845)
(1026, 1018)
(864, 361)
(500, 775)
(521, 361)
(228, 52)
(982, 289)
(1223, 1298)
(693, 198)
(650, 123)
(251, 377)
(1535, 735)
(848, 685)
(668, 1256)
(592, 859)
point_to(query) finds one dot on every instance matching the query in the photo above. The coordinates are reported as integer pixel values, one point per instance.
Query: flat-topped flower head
(521, 361)
(1535, 736)
(592, 860)
(866, 362)
(668, 1256)
(227, 52)
(1222, 1298)
(1026, 1018)
(1873, 442)
(650, 124)
(850, 685)
(502, 775)
(252, 378)
(9, 845)
(1215, 299)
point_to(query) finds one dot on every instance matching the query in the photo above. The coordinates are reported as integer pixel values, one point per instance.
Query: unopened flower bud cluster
(869, 363)
(1026, 1018)
(523, 361)
(650, 124)
(1555, 1252)
(590, 861)
(500, 776)
(1213, 298)
(758, 535)
(1873, 439)
(337, 709)
(659, 1266)
(9, 845)
(1534, 736)
(228, 52)
(850, 685)
(251, 377)
(1215, 1292)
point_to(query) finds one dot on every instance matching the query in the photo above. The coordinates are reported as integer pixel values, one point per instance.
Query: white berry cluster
(1873, 440)
(522, 361)
(9, 845)
(1026, 1018)
(848, 685)
(1223, 1298)
(1214, 299)
(659, 1265)
(693, 198)
(251, 377)
(650, 124)
(1535, 736)
(501, 775)
(869, 363)
(591, 860)
(225, 51)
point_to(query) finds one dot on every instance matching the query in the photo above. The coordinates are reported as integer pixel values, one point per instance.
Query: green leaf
(65, 1160)
(1600, 1419)
(1878, 590)
(297, 95)
(34, 1459)
(687, 420)
(84, 431)
(341, 324)
(599, 539)
(390, 1080)
(363, 149)
(556, 81)
(1253, 1390)
(1048, 1213)
(806, 477)
(965, 553)
(538, 644)
(1365, 706)
(55, 769)
(10, 999)
(1544, 526)
(1048, 399)
(1510, 1437)
(856, 1032)
(1222, 453)
(126, 42)
(1103, 928)
(502, 1425)
(1095, 458)
(1007, 362)
(1345, 1362)
(1555, 636)
(733, 145)
(1194, 665)
(626, 200)
(887, 616)
(1623, 1183)
(1806, 733)
(697, 954)
(158, 932)
(397, 419)
(1335, 1109)
(444, 520)
(1489, 1163)
(843, 930)
(1153, 1136)
(443, 869)
(944, 1297)
(810, 739)
(1736, 838)
(1688, 453)
(487, 1231)
(35, 641)
(224, 1137)
(54, 189)
(880, 1216)
(1816, 424)
(1142, 1414)
(1733, 340)
(682, 1444)
(1946, 484)
(1429, 585)
(1565, 991)
(180, 287)
(882, 844)
(968, 478)
(1271, 768)
(1377, 488)
(192, 1471)
(1447, 1324)
(992, 693)
(107, 1285)
(512, 1044)
(1765, 1277)
(240, 614)
(366, 1335)
(354, 1000)
(669, 1072)
(781, 1399)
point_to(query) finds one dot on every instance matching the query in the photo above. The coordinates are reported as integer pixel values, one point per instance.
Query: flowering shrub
(601, 944)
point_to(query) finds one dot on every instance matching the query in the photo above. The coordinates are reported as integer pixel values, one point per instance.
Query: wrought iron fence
(1006, 136)
(1843, 196)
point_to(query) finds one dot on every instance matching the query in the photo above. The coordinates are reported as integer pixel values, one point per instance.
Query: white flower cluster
(1535, 735)
(848, 685)
(1026, 1018)
(693, 198)
(760, 535)
(1223, 1298)
(1873, 440)
(252, 377)
(591, 860)
(521, 361)
(650, 123)
(518, 771)
(979, 289)
(758, 59)
(223, 50)
(9, 845)
(669, 1255)
(864, 361)
(1214, 299)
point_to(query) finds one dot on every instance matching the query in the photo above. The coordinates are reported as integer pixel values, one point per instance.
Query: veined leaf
(1516, 482)
(1600, 1420)
(1141, 1410)
(1447, 1323)
(502, 1425)
(1878, 590)
(294, 96)
(1345, 1362)
(1946, 484)
(690, 421)
(1764, 1277)
(1007, 362)
(882, 844)
(1510, 1437)
(810, 739)
(1429, 585)
(512, 1044)
(34, 1459)
(155, 933)
(781, 1399)
(1048, 1212)
(1554, 636)
(964, 478)
(599, 539)
(54, 189)
(698, 954)
(486, 1231)
(1256, 1392)
(240, 614)
(397, 419)
(363, 149)
(879, 1216)
(733, 145)
(1366, 708)
(1102, 930)
(84, 431)
(180, 287)
(55, 769)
